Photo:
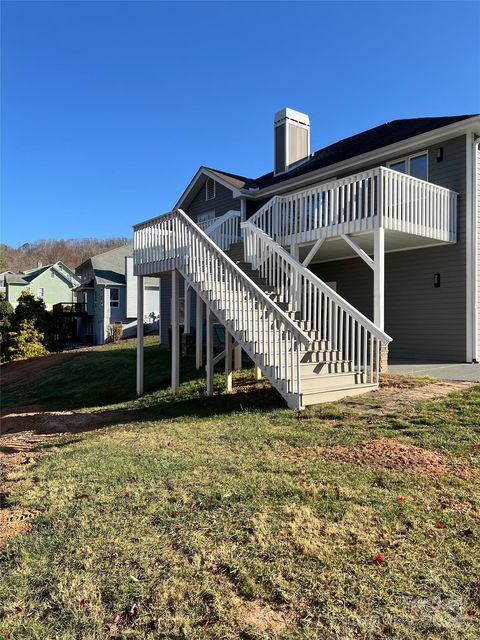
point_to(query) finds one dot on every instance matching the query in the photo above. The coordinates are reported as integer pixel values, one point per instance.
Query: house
(3, 286)
(53, 283)
(334, 262)
(107, 294)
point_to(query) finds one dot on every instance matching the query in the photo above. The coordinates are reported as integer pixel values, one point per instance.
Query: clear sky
(109, 108)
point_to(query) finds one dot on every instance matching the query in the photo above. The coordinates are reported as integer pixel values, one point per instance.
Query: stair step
(325, 368)
(331, 395)
(330, 381)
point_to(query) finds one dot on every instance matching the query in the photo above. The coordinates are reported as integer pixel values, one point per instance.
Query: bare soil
(390, 453)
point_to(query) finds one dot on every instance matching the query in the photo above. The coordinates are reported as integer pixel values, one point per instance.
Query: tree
(6, 308)
(31, 309)
(27, 342)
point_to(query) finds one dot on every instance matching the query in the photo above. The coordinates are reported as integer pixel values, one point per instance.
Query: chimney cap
(291, 114)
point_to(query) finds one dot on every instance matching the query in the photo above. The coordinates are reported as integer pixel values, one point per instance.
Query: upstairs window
(52, 274)
(209, 189)
(41, 292)
(114, 298)
(415, 165)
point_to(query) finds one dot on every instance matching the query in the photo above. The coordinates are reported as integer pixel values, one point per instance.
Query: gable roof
(345, 149)
(29, 275)
(109, 267)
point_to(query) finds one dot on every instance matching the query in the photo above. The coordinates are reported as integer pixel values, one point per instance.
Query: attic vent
(210, 189)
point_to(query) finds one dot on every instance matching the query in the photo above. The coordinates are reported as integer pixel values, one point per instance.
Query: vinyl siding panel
(223, 202)
(477, 219)
(425, 322)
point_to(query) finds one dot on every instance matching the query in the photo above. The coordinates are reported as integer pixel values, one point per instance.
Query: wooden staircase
(325, 376)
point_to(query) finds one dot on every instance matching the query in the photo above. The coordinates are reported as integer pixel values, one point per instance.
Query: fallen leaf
(379, 558)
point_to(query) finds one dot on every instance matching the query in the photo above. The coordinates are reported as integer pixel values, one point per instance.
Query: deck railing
(334, 319)
(378, 197)
(261, 328)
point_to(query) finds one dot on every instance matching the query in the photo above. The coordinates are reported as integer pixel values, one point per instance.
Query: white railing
(225, 231)
(378, 197)
(335, 320)
(264, 331)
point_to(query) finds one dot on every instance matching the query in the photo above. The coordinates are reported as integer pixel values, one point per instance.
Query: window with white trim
(415, 165)
(208, 215)
(114, 297)
(40, 292)
(52, 274)
(209, 189)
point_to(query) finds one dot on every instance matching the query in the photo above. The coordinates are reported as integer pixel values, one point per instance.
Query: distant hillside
(71, 252)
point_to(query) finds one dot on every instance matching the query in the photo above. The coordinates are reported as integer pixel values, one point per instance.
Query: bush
(115, 332)
(27, 342)
(6, 308)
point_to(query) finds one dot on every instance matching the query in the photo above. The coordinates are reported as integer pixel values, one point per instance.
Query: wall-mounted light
(439, 154)
(436, 279)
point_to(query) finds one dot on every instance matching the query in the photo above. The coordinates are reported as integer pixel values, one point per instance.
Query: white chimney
(291, 139)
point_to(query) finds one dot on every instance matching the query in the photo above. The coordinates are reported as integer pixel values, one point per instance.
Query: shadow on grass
(104, 383)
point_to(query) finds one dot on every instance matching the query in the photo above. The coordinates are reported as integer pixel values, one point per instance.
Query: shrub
(115, 332)
(26, 342)
(6, 308)
(31, 309)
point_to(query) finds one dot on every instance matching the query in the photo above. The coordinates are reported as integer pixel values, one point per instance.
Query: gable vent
(210, 189)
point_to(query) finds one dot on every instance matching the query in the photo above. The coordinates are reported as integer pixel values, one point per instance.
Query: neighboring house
(3, 275)
(53, 283)
(366, 247)
(108, 294)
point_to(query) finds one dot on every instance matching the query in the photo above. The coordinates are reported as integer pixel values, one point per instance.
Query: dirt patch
(20, 369)
(389, 453)
(14, 522)
(29, 419)
(261, 617)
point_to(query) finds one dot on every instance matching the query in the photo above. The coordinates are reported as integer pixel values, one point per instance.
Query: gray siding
(222, 202)
(477, 218)
(424, 321)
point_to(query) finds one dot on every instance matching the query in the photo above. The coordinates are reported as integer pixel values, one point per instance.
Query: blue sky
(109, 108)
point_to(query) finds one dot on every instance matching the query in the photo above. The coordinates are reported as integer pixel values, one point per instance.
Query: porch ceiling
(337, 249)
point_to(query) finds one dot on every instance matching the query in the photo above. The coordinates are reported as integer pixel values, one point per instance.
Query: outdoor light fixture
(439, 154)
(436, 279)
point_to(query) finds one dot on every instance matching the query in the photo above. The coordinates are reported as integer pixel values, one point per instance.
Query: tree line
(71, 252)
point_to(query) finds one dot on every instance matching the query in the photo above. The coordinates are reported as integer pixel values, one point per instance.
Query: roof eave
(184, 199)
(464, 126)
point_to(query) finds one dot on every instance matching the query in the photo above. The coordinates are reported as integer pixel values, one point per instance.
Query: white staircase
(311, 344)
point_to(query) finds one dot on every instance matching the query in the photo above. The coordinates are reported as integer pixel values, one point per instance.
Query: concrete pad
(441, 370)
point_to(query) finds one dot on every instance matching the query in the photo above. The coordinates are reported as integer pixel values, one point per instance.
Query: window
(209, 189)
(203, 217)
(416, 165)
(114, 298)
(40, 292)
(52, 274)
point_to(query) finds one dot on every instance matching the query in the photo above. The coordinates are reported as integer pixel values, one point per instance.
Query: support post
(228, 362)
(237, 358)
(139, 335)
(258, 374)
(187, 309)
(160, 311)
(295, 251)
(175, 333)
(209, 353)
(199, 333)
(379, 277)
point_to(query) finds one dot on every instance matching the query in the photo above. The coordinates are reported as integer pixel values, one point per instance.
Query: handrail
(376, 197)
(335, 321)
(269, 336)
(225, 230)
(309, 275)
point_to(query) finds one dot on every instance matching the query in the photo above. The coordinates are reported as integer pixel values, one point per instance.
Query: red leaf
(401, 498)
(301, 470)
(470, 612)
(116, 618)
(83, 602)
(18, 609)
(379, 558)
(134, 479)
(132, 612)
(86, 495)
(128, 494)
(174, 514)
(440, 525)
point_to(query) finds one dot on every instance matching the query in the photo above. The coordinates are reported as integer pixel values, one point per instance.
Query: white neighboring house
(108, 290)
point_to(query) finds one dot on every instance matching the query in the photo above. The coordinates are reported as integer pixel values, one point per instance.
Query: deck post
(258, 374)
(199, 333)
(175, 333)
(187, 309)
(237, 358)
(228, 362)
(160, 311)
(379, 277)
(139, 335)
(209, 353)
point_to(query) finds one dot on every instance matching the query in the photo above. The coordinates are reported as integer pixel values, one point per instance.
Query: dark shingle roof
(370, 140)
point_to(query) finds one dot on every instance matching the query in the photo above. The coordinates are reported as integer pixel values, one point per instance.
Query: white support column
(187, 307)
(175, 333)
(199, 333)
(237, 358)
(295, 251)
(258, 374)
(209, 353)
(139, 335)
(228, 361)
(379, 277)
(159, 311)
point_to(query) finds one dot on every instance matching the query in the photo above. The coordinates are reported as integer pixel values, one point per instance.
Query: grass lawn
(224, 518)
